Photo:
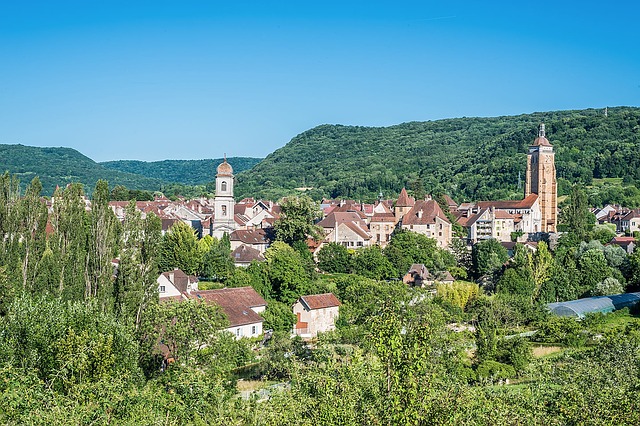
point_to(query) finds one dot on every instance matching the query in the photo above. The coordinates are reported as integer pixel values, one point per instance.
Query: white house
(241, 306)
(176, 285)
(315, 314)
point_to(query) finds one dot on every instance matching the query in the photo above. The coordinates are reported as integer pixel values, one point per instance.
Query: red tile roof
(404, 200)
(246, 254)
(320, 301)
(236, 303)
(338, 217)
(253, 236)
(424, 212)
(179, 279)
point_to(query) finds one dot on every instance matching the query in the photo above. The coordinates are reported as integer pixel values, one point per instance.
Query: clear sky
(154, 80)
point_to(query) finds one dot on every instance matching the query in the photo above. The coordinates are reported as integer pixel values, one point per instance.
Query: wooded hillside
(469, 158)
(186, 172)
(60, 166)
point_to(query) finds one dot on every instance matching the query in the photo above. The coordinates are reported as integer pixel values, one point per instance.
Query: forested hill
(186, 172)
(469, 158)
(60, 166)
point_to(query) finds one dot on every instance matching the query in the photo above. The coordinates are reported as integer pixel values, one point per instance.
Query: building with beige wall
(315, 314)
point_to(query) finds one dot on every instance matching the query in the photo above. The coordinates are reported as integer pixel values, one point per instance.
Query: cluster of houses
(242, 306)
(249, 225)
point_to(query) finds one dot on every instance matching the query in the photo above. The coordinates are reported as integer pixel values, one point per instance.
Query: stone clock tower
(224, 203)
(541, 180)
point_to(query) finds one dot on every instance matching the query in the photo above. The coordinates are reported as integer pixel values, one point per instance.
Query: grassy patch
(541, 351)
(606, 181)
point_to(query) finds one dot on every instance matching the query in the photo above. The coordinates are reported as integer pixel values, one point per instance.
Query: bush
(494, 370)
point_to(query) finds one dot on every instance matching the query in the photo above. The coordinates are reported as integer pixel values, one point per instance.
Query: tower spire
(541, 131)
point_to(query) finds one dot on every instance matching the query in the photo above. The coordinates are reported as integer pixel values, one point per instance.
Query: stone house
(315, 314)
(427, 218)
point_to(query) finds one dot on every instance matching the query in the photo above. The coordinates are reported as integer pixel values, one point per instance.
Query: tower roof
(404, 200)
(541, 140)
(225, 169)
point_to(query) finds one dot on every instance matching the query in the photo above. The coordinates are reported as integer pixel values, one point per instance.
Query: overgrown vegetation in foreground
(388, 363)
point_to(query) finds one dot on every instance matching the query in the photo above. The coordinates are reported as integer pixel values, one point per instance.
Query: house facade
(315, 314)
(175, 285)
(427, 218)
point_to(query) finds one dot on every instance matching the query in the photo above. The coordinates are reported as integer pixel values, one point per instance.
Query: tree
(69, 241)
(593, 269)
(607, 287)
(604, 233)
(517, 281)
(296, 219)
(576, 215)
(185, 328)
(102, 247)
(462, 254)
(217, 262)
(278, 317)
(135, 284)
(459, 293)
(488, 257)
(407, 248)
(32, 223)
(286, 272)
(371, 263)
(180, 249)
(334, 257)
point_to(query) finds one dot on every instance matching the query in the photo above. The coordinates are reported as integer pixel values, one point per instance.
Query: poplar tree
(69, 242)
(102, 241)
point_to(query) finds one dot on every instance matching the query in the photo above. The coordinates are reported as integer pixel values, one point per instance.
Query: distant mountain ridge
(468, 158)
(60, 166)
(186, 172)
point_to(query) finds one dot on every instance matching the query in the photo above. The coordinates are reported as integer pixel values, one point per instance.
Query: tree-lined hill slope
(186, 172)
(469, 158)
(60, 166)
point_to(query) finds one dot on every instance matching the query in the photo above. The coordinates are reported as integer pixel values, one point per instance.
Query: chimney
(419, 214)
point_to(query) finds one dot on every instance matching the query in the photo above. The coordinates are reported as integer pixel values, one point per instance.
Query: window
(223, 186)
(253, 329)
(238, 332)
(440, 226)
(359, 243)
(224, 210)
(162, 289)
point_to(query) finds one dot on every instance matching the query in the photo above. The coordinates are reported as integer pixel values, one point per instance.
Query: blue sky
(196, 79)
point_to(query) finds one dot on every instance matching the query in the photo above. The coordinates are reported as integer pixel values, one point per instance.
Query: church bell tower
(541, 180)
(224, 203)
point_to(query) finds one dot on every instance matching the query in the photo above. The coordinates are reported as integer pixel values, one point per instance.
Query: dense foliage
(186, 172)
(449, 156)
(61, 166)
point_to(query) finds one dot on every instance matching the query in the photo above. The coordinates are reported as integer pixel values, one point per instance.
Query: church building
(541, 180)
(536, 213)
(224, 203)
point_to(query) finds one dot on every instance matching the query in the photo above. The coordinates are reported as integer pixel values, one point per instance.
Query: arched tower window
(223, 186)
(224, 210)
